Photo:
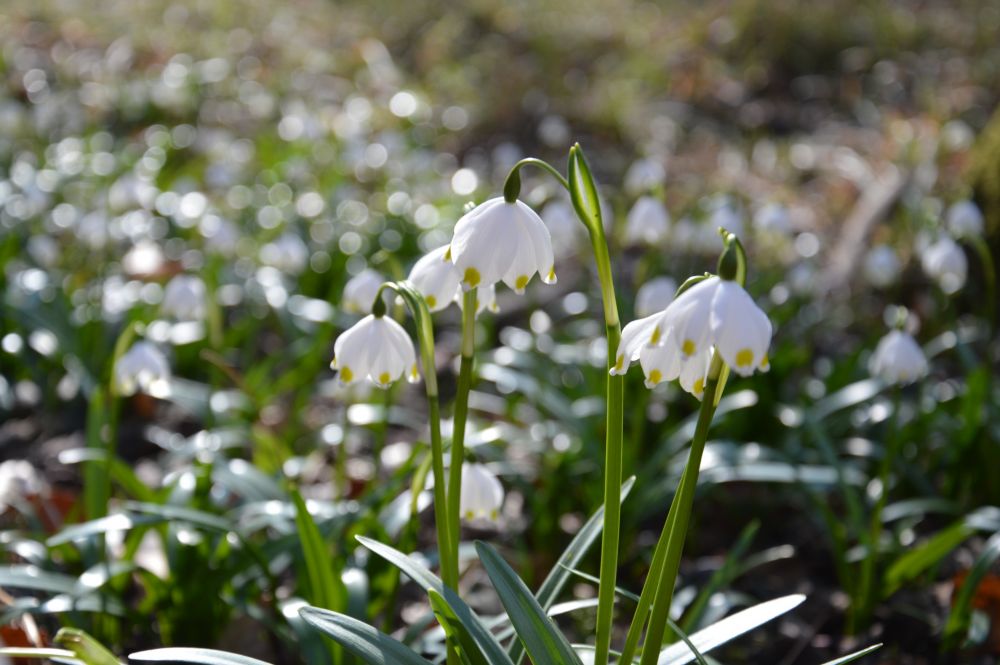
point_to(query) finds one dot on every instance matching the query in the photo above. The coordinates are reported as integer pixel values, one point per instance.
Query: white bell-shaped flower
(945, 262)
(288, 253)
(648, 222)
(654, 296)
(482, 494)
(501, 241)
(486, 299)
(564, 227)
(881, 266)
(360, 292)
(184, 298)
(643, 175)
(435, 278)
(964, 219)
(143, 368)
(375, 347)
(714, 313)
(19, 480)
(773, 218)
(898, 358)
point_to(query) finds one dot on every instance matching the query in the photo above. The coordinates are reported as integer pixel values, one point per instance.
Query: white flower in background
(19, 479)
(486, 299)
(713, 313)
(435, 278)
(945, 262)
(898, 358)
(360, 292)
(143, 368)
(964, 219)
(184, 298)
(654, 296)
(643, 175)
(377, 348)
(144, 259)
(504, 241)
(288, 253)
(722, 214)
(648, 221)
(772, 217)
(564, 227)
(482, 494)
(44, 250)
(221, 234)
(882, 266)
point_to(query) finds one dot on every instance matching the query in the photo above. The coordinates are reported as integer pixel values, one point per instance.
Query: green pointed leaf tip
(583, 190)
(542, 640)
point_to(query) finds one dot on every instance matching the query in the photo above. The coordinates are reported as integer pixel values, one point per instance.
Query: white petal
(635, 336)
(740, 330)
(693, 373)
(483, 243)
(688, 318)
(351, 350)
(660, 363)
(648, 221)
(391, 354)
(436, 278)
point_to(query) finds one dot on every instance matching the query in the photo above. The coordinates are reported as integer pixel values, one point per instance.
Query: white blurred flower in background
(964, 219)
(360, 291)
(288, 253)
(644, 175)
(898, 358)
(654, 296)
(945, 262)
(648, 222)
(143, 368)
(184, 298)
(881, 266)
(482, 494)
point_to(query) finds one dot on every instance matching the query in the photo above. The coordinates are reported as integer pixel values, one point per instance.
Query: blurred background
(275, 150)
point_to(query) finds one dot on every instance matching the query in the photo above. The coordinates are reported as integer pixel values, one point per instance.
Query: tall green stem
(461, 416)
(866, 595)
(583, 193)
(677, 522)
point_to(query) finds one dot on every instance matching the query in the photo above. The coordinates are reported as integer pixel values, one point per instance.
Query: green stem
(989, 274)
(866, 595)
(460, 418)
(677, 526)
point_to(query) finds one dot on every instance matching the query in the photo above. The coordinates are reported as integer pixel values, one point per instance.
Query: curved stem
(461, 416)
(512, 186)
(425, 339)
(677, 522)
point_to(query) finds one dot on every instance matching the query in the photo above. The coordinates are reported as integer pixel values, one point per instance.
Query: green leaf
(36, 579)
(85, 647)
(96, 485)
(854, 656)
(121, 472)
(958, 620)
(101, 526)
(488, 644)
(362, 640)
(918, 559)
(194, 517)
(31, 652)
(458, 635)
(729, 628)
(583, 191)
(199, 656)
(326, 589)
(542, 640)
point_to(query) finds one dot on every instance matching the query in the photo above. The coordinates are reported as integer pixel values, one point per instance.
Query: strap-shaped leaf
(198, 656)
(456, 631)
(488, 644)
(542, 640)
(853, 656)
(367, 643)
(728, 629)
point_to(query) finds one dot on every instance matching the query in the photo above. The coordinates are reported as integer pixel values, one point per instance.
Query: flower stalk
(459, 420)
(583, 194)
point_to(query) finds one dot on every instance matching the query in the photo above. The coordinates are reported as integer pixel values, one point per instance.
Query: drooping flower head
(654, 296)
(143, 368)
(648, 222)
(502, 241)
(964, 219)
(945, 262)
(436, 278)
(360, 291)
(184, 298)
(482, 494)
(644, 175)
(898, 358)
(711, 313)
(376, 348)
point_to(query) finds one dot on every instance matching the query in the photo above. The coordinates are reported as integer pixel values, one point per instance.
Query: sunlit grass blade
(851, 657)
(456, 631)
(367, 643)
(196, 656)
(542, 640)
(729, 629)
